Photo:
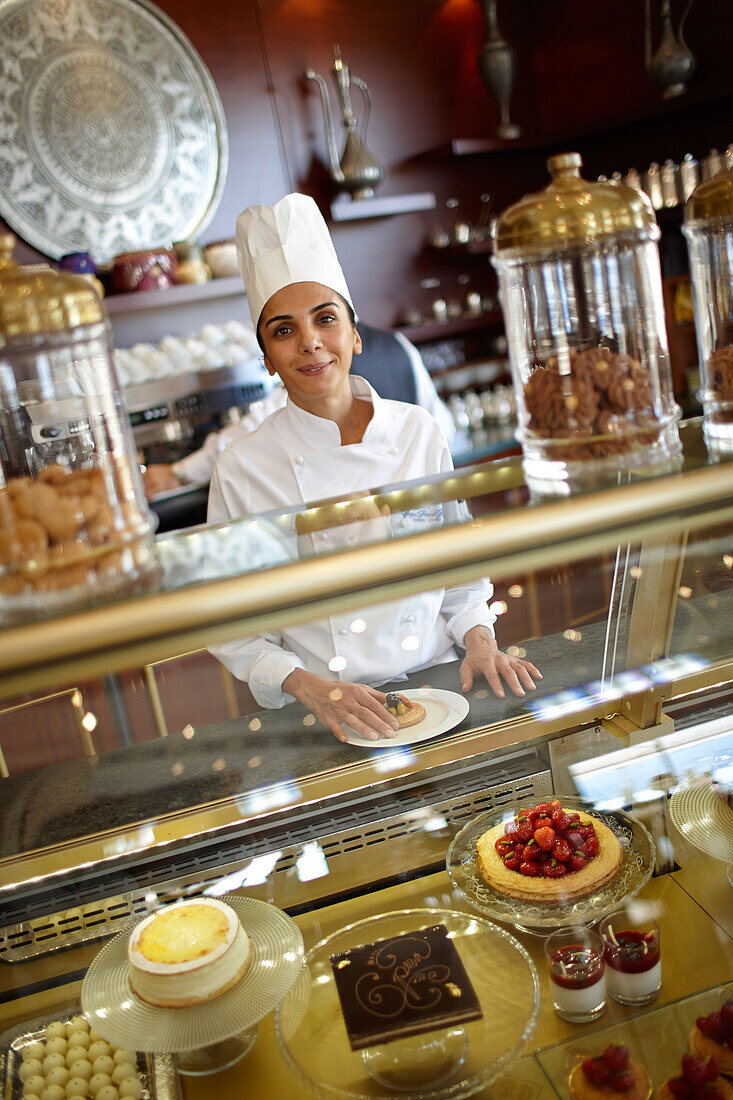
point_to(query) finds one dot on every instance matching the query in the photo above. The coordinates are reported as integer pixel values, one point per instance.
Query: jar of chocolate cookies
(74, 522)
(708, 228)
(581, 289)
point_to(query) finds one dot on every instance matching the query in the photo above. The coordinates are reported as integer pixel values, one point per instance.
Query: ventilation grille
(40, 933)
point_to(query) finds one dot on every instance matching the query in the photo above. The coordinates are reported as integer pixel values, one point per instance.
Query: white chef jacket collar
(317, 431)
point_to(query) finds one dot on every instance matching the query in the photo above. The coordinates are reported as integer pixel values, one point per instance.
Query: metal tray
(157, 1071)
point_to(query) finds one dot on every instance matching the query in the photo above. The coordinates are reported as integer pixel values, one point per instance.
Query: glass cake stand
(208, 1037)
(540, 918)
(449, 1062)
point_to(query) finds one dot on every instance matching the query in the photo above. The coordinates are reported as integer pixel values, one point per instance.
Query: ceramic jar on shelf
(581, 289)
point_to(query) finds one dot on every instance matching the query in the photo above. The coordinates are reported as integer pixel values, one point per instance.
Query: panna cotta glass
(632, 952)
(576, 969)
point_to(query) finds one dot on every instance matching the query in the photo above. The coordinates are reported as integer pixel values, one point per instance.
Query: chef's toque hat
(283, 244)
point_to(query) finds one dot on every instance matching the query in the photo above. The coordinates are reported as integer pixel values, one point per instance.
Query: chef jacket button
(393, 450)
(343, 631)
(409, 618)
(299, 460)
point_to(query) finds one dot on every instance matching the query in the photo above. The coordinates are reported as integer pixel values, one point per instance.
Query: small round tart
(596, 873)
(720, 1083)
(582, 1089)
(414, 713)
(188, 953)
(704, 1045)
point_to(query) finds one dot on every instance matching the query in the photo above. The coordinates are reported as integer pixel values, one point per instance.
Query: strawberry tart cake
(610, 1076)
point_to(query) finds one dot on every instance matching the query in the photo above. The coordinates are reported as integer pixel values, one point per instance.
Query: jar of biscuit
(74, 522)
(581, 289)
(708, 228)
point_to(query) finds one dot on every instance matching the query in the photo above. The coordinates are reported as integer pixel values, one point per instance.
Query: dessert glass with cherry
(632, 953)
(577, 974)
(547, 841)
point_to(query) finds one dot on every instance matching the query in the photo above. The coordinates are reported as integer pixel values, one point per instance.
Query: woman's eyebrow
(289, 316)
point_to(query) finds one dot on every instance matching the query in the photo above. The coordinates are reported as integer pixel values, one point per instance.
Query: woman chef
(336, 436)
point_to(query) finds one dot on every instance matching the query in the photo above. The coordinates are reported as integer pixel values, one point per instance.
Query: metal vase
(497, 65)
(673, 63)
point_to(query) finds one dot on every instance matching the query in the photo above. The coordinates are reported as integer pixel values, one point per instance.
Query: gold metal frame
(153, 627)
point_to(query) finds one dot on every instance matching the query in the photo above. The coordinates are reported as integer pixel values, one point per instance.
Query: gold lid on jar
(573, 211)
(712, 200)
(38, 299)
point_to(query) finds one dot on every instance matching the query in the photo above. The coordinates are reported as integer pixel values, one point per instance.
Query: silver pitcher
(497, 65)
(357, 172)
(673, 64)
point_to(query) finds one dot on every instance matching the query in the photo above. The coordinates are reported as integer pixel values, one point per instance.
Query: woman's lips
(314, 368)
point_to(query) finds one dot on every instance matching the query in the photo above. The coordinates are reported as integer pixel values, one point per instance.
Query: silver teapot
(357, 172)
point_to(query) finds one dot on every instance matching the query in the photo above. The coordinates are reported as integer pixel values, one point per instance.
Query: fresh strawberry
(695, 1069)
(712, 1026)
(504, 846)
(545, 837)
(679, 1088)
(615, 1058)
(553, 869)
(726, 1016)
(512, 861)
(529, 869)
(560, 821)
(621, 1081)
(577, 862)
(590, 847)
(561, 850)
(525, 829)
(595, 1071)
(532, 850)
(555, 805)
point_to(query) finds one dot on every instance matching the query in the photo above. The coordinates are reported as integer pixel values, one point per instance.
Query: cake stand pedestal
(209, 1037)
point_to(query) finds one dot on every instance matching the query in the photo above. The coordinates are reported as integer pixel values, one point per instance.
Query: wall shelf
(346, 210)
(435, 330)
(181, 295)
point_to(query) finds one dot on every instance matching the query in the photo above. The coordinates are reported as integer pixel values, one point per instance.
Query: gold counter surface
(697, 953)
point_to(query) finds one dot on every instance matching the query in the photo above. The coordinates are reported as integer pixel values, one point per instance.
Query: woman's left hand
(484, 656)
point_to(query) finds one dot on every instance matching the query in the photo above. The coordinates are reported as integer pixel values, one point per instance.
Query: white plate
(443, 711)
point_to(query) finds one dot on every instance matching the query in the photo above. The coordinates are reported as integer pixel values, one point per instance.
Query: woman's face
(309, 339)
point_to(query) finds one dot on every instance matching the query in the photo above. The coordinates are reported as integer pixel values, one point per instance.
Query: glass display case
(138, 771)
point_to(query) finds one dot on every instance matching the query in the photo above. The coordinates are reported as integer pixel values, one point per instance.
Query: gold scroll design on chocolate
(403, 983)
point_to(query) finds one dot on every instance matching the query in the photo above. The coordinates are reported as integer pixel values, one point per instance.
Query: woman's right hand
(334, 702)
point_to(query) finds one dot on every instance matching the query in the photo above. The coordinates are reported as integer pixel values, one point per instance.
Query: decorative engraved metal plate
(112, 133)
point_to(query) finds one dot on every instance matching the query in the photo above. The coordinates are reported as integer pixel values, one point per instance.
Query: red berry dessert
(699, 1080)
(713, 1035)
(549, 854)
(610, 1075)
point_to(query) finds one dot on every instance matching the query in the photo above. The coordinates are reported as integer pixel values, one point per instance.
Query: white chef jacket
(294, 457)
(199, 465)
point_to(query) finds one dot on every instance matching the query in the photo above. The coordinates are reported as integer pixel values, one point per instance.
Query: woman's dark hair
(349, 311)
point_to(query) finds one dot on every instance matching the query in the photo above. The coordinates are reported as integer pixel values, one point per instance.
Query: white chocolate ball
(36, 1051)
(98, 1081)
(58, 1076)
(57, 1045)
(77, 1086)
(97, 1049)
(79, 1039)
(31, 1068)
(131, 1089)
(103, 1064)
(51, 1061)
(77, 1023)
(53, 1092)
(122, 1072)
(76, 1054)
(121, 1055)
(81, 1068)
(95, 1036)
(56, 1030)
(34, 1086)
(108, 1092)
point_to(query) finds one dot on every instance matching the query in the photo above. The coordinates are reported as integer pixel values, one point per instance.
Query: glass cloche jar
(708, 227)
(74, 521)
(581, 289)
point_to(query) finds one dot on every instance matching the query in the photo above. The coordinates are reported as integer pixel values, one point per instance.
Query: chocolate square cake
(403, 986)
